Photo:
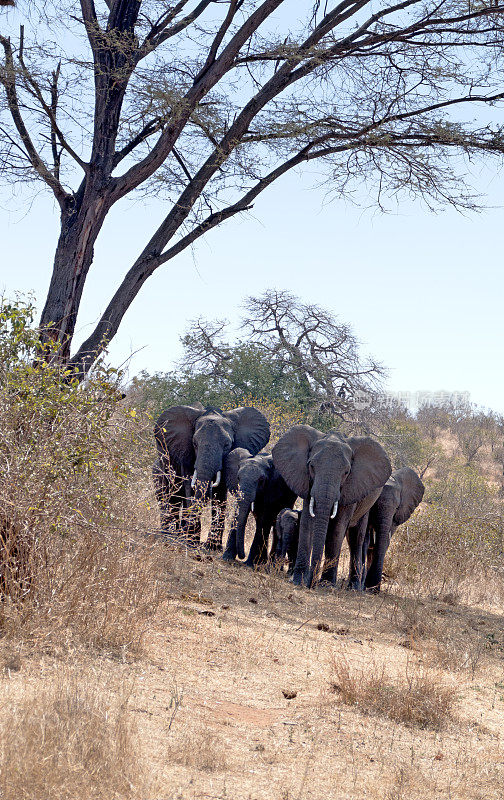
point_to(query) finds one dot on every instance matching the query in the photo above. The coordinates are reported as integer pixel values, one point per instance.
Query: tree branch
(161, 33)
(9, 81)
(202, 85)
(50, 110)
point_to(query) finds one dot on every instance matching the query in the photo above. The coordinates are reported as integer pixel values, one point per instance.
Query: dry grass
(69, 740)
(416, 698)
(98, 592)
(198, 748)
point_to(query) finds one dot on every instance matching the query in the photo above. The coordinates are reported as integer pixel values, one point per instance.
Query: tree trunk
(80, 227)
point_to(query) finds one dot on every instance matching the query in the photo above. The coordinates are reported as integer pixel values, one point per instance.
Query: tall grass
(72, 739)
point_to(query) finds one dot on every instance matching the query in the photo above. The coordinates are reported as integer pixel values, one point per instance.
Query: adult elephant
(193, 445)
(400, 496)
(339, 479)
(287, 536)
(262, 491)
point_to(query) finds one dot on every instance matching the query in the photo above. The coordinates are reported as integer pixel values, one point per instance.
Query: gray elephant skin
(339, 479)
(261, 490)
(400, 496)
(287, 536)
(193, 444)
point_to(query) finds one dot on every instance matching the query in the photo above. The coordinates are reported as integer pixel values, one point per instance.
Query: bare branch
(9, 81)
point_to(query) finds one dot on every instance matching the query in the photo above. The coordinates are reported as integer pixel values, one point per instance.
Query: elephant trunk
(244, 506)
(207, 473)
(323, 508)
(285, 543)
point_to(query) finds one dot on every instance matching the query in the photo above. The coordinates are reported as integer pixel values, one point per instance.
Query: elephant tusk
(335, 510)
(312, 503)
(194, 479)
(252, 506)
(217, 480)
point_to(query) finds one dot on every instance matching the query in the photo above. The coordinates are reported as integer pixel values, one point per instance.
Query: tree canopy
(206, 103)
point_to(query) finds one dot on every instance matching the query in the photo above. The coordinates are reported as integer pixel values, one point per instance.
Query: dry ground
(206, 695)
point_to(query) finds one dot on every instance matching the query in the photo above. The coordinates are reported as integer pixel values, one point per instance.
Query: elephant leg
(382, 541)
(214, 540)
(190, 522)
(335, 535)
(168, 495)
(356, 537)
(192, 528)
(258, 547)
(367, 552)
(274, 544)
(264, 550)
(301, 574)
(231, 550)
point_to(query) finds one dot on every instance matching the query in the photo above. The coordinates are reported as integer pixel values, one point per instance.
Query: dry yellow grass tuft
(417, 698)
(69, 740)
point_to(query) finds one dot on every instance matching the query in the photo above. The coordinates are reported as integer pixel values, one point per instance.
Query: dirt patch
(225, 711)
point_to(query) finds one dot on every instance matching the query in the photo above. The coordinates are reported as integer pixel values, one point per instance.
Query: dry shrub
(96, 591)
(451, 550)
(445, 640)
(75, 492)
(71, 740)
(418, 698)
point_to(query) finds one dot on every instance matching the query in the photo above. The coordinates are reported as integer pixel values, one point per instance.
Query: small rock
(207, 613)
(253, 600)
(225, 608)
(323, 626)
(289, 694)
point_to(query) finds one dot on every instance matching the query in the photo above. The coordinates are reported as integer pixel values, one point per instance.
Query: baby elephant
(370, 539)
(287, 536)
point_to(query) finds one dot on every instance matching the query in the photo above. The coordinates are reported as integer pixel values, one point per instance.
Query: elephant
(400, 496)
(287, 536)
(193, 444)
(339, 479)
(262, 490)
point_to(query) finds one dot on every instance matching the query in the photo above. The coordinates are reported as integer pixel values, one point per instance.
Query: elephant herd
(346, 484)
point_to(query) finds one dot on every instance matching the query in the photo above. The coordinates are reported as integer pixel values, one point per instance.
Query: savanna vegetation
(133, 669)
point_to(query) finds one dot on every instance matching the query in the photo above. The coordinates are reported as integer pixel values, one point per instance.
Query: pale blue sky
(422, 291)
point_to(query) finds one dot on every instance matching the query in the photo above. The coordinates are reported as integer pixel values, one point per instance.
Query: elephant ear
(251, 428)
(174, 431)
(290, 457)
(412, 491)
(370, 469)
(232, 463)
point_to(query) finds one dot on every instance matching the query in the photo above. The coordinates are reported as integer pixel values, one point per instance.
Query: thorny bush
(75, 471)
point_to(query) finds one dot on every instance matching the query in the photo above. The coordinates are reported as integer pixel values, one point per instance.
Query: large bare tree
(317, 354)
(210, 101)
